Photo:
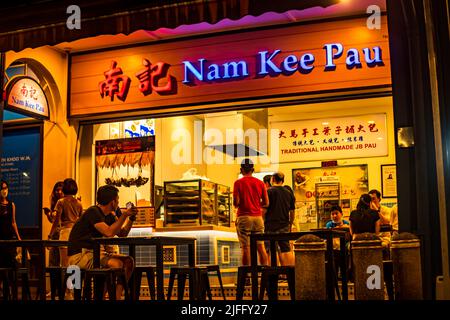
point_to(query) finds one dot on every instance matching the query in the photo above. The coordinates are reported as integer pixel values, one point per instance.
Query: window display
(196, 202)
(128, 164)
(317, 189)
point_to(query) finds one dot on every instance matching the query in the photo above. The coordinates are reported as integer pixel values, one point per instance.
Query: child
(336, 219)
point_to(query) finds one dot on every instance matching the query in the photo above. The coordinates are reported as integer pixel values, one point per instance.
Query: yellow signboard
(332, 138)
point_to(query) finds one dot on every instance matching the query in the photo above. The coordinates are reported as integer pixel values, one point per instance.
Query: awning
(30, 25)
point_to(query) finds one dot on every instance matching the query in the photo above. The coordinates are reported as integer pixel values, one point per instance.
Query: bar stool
(5, 277)
(150, 273)
(215, 268)
(269, 281)
(243, 275)
(119, 276)
(57, 287)
(198, 282)
(23, 273)
(9, 277)
(99, 274)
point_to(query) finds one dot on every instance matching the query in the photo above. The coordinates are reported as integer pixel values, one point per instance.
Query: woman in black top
(8, 227)
(364, 219)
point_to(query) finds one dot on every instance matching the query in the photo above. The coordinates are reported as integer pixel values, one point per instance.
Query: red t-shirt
(250, 191)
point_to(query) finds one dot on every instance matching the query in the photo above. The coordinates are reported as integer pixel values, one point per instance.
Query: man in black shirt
(96, 222)
(280, 215)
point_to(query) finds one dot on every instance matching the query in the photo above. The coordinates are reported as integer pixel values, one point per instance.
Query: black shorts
(284, 246)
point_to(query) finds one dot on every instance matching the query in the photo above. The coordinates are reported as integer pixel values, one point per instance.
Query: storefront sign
(335, 138)
(265, 64)
(27, 97)
(310, 58)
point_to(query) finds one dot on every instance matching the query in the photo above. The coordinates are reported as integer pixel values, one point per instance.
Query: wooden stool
(150, 273)
(243, 272)
(215, 268)
(198, 282)
(269, 281)
(6, 278)
(56, 281)
(99, 274)
(119, 275)
(24, 274)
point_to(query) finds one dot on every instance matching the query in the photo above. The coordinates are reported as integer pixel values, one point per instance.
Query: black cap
(247, 164)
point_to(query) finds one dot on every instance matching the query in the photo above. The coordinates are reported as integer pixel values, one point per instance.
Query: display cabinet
(196, 202)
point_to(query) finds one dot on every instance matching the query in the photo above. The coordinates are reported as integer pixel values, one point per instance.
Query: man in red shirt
(249, 196)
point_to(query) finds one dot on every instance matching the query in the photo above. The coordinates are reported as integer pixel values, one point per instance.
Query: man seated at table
(98, 221)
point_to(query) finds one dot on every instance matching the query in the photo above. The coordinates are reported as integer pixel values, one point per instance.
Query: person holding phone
(50, 213)
(98, 221)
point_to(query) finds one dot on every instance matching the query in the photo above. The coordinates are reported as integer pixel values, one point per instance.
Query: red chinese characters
(372, 127)
(24, 91)
(150, 76)
(293, 134)
(115, 83)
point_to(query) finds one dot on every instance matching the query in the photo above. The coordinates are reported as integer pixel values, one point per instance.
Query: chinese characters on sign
(338, 138)
(116, 83)
(26, 95)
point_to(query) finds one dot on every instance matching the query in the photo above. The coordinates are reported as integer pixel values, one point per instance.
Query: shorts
(64, 234)
(284, 246)
(85, 259)
(246, 225)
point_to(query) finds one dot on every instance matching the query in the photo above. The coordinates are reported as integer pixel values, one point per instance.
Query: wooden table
(326, 234)
(159, 242)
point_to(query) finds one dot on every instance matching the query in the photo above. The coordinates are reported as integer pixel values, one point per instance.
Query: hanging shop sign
(25, 96)
(310, 58)
(335, 138)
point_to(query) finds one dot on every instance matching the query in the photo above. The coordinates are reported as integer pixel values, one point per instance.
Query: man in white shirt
(385, 215)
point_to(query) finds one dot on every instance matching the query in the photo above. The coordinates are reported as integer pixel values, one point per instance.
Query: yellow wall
(227, 174)
(59, 137)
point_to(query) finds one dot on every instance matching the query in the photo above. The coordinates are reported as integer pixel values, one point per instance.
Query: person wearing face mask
(8, 227)
(94, 223)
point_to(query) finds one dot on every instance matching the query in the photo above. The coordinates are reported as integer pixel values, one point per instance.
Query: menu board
(20, 168)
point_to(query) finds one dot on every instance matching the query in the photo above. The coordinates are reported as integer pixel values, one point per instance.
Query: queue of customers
(268, 207)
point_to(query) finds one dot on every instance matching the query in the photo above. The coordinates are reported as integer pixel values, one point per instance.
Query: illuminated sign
(204, 73)
(290, 64)
(26, 96)
(335, 138)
